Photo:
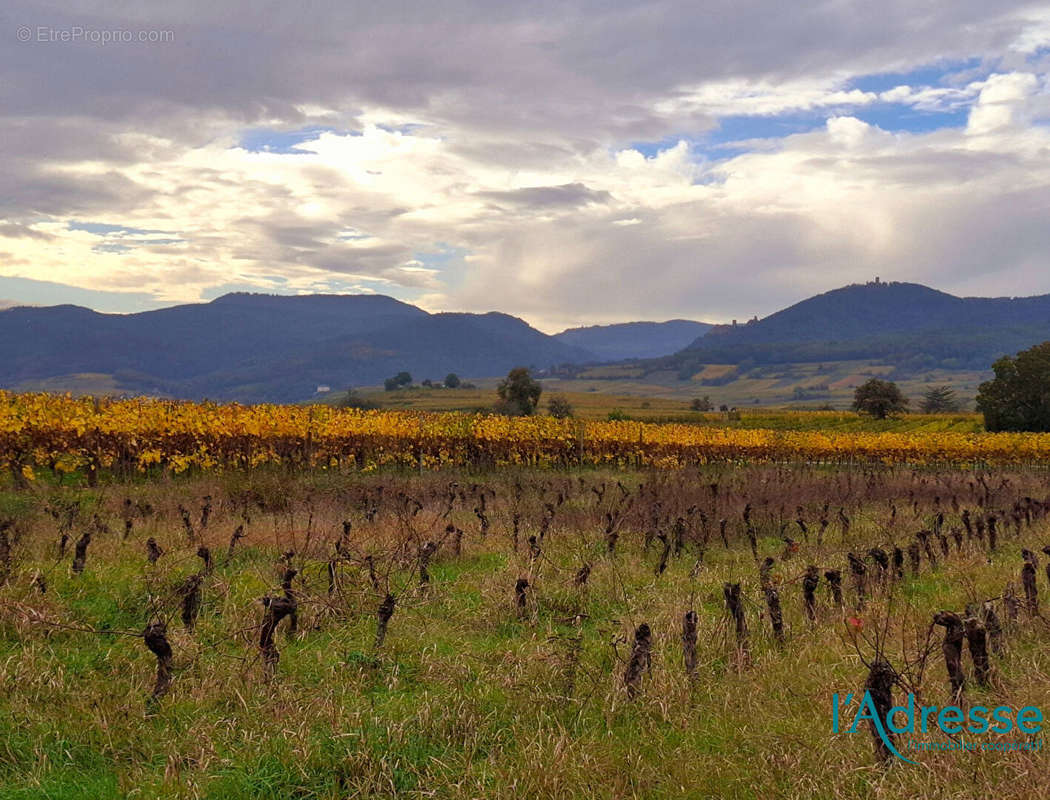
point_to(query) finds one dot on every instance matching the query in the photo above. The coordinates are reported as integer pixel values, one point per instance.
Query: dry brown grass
(464, 699)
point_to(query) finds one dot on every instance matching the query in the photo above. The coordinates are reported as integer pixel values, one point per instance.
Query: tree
(519, 393)
(560, 407)
(939, 400)
(353, 400)
(452, 381)
(397, 382)
(701, 403)
(1018, 397)
(879, 399)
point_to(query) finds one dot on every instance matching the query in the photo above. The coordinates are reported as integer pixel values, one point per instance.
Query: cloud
(568, 194)
(1002, 103)
(520, 137)
(763, 98)
(932, 98)
(15, 230)
(848, 131)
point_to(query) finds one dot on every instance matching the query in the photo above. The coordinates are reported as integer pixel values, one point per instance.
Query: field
(794, 384)
(624, 388)
(62, 435)
(599, 406)
(623, 391)
(270, 623)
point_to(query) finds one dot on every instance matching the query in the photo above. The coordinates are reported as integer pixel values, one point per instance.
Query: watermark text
(78, 34)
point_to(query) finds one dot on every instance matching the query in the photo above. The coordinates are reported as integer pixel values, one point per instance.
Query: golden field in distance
(63, 434)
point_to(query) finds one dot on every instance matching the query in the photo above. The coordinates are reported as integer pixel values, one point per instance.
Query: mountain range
(253, 347)
(267, 348)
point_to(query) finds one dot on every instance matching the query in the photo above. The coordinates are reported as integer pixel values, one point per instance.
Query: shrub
(559, 407)
(353, 400)
(701, 404)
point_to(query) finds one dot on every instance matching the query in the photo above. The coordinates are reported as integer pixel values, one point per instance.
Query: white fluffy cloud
(763, 98)
(1005, 101)
(478, 156)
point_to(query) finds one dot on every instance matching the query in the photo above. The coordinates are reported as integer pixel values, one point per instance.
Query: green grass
(466, 699)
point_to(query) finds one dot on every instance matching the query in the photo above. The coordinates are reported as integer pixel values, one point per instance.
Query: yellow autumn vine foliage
(66, 434)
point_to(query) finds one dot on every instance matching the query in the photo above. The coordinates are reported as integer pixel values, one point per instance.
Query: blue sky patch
(929, 75)
(49, 293)
(732, 133)
(743, 128)
(449, 261)
(896, 119)
(266, 140)
(104, 228)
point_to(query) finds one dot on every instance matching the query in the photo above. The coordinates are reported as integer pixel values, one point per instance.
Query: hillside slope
(634, 339)
(907, 325)
(267, 348)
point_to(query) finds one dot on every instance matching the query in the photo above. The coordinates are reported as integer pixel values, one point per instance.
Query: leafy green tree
(1018, 397)
(398, 381)
(452, 381)
(879, 399)
(560, 407)
(939, 400)
(519, 393)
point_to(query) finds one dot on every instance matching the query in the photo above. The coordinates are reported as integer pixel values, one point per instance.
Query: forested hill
(634, 339)
(912, 326)
(253, 347)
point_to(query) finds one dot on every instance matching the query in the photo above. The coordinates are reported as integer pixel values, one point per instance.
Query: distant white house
(324, 387)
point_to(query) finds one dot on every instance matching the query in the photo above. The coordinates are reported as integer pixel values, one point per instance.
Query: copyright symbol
(24, 33)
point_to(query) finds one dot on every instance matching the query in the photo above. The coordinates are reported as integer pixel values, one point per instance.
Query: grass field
(598, 391)
(482, 686)
(586, 405)
(600, 405)
(800, 385)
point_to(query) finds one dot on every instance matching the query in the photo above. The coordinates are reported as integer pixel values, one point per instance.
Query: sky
(567, 162)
